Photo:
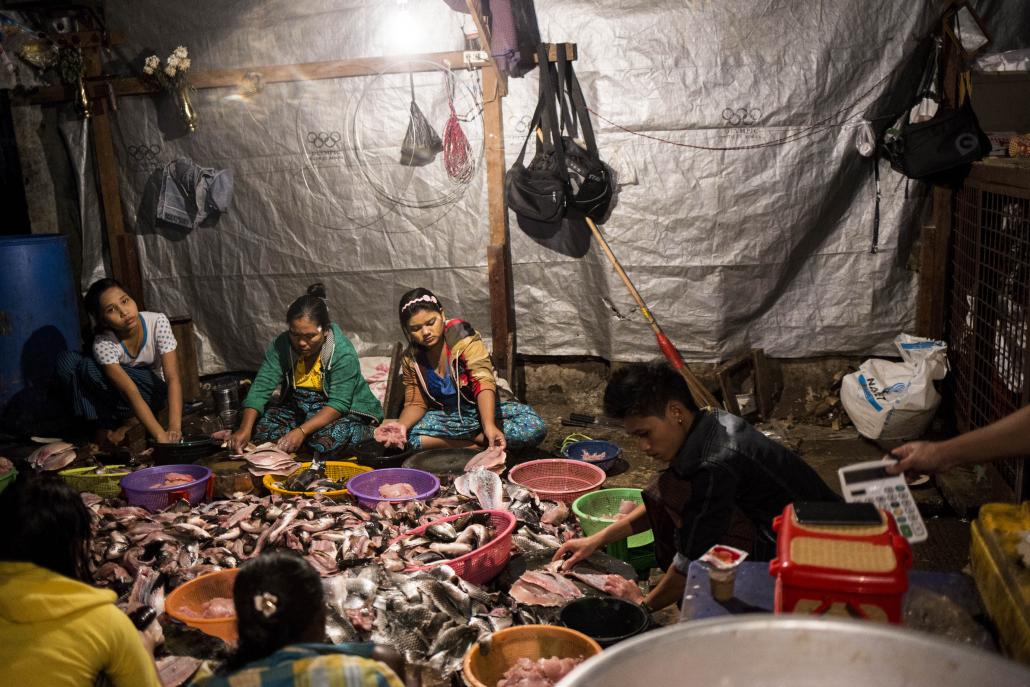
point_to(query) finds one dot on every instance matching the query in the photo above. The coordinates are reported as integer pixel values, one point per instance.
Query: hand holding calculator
(869, 483)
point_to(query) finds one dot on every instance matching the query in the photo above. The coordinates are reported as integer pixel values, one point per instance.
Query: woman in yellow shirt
(56, 630)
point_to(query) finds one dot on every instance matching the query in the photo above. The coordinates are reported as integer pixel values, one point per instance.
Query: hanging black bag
(941, 149)
(539, 192)
(591, 181)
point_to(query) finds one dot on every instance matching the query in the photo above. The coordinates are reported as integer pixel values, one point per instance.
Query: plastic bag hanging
(421, 143)
(457, 153)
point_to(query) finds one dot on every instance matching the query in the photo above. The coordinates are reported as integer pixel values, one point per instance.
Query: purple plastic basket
(139, 488)
(365, 487)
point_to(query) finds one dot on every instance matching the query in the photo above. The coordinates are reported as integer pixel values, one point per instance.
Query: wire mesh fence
(990, 302)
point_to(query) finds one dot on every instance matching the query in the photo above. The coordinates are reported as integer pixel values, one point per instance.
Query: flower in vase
(180, 52)
(153, 62)
(184, 64)
(170, 71)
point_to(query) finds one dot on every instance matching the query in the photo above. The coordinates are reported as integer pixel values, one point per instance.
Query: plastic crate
(558, 479)
(486, 562)
(334, 470)
(1003, 582)
(86, 480)
(365, 487)
(140, 490)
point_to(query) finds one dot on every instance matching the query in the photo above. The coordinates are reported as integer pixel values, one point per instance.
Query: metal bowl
(800, 651)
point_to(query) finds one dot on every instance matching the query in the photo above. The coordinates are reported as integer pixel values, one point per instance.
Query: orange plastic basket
(335, 470)
(483, 564)
(524, 641)
(558, 479)
(184, 603)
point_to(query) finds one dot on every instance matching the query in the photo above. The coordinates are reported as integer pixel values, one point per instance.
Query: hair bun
(317, 289)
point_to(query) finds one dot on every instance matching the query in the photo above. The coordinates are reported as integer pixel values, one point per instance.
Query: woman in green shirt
(325, 402)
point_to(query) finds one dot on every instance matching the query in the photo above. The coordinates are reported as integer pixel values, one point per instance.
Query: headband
(429, 298)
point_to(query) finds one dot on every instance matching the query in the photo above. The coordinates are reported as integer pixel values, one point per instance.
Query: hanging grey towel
(191, 194)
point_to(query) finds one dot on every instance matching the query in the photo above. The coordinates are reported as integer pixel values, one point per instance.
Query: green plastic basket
(8, 478)
(107, 485)
(597, 510)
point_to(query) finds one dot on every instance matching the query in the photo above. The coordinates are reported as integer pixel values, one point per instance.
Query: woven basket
(486, 562)
(558, 479)
(334, 470)
(184, 603)
(85, 480)
(485, 669)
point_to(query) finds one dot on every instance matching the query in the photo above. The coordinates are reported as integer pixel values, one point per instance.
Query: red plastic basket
(558, 479)
(483, 564)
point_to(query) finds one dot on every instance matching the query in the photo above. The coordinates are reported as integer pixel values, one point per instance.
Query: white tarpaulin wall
(767, 247)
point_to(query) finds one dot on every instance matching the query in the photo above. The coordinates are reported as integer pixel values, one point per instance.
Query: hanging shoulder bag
(941, 149)
(539, 191)
(591, 181)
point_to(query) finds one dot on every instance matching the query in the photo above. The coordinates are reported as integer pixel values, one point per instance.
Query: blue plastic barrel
(39, 318)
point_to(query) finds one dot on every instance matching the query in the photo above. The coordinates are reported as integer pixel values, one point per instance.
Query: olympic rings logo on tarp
(741, 116)
(324, 139)
(144, 153)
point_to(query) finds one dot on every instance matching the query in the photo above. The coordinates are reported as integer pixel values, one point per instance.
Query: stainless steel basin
(793, 651)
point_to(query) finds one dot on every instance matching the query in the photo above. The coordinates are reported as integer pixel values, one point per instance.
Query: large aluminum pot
(793, 651)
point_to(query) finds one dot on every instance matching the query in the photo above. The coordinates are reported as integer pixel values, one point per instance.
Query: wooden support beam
(498, 256)
(122, 245)
(97, 86)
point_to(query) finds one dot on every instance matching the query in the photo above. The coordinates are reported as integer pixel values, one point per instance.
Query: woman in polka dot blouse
(133, 371)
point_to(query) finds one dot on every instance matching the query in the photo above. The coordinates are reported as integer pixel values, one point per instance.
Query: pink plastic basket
(365, 487)
(140, 490)
(483, 564)
(558, 479)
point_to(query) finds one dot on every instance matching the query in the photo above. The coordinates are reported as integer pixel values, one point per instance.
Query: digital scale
(869, 483)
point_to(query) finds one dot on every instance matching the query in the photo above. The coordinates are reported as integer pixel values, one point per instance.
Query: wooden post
(124, 257)
(498, 252)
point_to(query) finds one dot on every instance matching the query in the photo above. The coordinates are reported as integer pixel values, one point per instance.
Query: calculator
(870, 483)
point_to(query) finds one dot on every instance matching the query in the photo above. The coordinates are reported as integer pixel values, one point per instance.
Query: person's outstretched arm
(1009, 436)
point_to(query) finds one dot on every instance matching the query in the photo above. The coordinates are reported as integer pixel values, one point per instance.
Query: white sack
(887, 400)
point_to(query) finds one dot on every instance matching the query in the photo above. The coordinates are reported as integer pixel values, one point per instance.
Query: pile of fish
(439, 542)
(431, 615)
(56, 455)
(543, 672)
(544, 588)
